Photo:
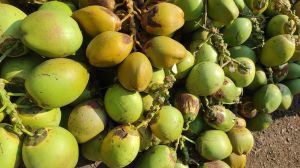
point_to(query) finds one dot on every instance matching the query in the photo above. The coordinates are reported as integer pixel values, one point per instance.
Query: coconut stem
(232, 60)
(283, 8)
(40, 2)
(270, 75)
(118, 5)
(188, 139)
(258, 25)
(258, 34)
(10, 109)
(192, 161)
(187, 126)
(205, 13)
(185, 152)
(146, 122)
(133, 28)
(160, 95)
(177, 144)
(201, 44)
(218, 42)
(181, 144)
(221, 47)
(207, 108)
(8, 51)
(126, 17)
(17, 94)
(224, 54)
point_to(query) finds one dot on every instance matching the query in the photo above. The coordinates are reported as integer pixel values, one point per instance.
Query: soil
(276, 147)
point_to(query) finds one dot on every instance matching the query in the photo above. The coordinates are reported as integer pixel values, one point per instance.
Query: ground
(276, 147)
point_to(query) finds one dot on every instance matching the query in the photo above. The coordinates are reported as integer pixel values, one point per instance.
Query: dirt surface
(276, 147)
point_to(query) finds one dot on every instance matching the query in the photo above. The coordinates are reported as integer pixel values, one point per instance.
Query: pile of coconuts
(143, 83)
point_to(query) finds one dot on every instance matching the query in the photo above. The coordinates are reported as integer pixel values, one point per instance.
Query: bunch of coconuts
(143, 83)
